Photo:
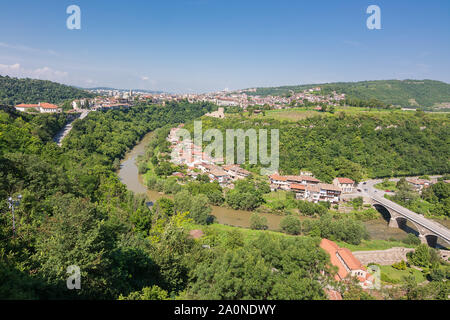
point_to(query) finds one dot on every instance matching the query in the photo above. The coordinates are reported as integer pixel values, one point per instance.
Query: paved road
(367, 189)
(65, 131)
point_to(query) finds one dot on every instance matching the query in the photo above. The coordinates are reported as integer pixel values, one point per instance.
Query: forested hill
(405, 93)
(14, 91)
(356, 146)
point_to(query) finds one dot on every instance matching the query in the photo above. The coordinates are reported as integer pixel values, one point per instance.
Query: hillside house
(347, 185)
(329, 192)
(235, 171)
(418, 184)
(348, 265)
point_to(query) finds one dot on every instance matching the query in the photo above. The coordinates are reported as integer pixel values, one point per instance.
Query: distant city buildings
(225, 98)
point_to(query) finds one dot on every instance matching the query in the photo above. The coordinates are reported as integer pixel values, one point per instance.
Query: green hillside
(428, 94)
(14, 91)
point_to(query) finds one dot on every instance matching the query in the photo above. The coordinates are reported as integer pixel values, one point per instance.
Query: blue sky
(208, 45)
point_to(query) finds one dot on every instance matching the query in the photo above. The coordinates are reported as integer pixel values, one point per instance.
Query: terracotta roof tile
(346, 181)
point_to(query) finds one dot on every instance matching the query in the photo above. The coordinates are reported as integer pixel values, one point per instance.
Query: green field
(367, 245)
(392, 275)
(387, 185)
(296, 114)
(250, 235)
(293, 114)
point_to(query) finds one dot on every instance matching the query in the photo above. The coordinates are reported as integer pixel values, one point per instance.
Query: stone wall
(389, 256)
(382, 257)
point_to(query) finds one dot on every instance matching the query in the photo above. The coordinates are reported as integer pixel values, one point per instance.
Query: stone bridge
(429, 231)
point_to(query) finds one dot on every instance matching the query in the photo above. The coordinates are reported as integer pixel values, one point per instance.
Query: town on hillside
(108, 99)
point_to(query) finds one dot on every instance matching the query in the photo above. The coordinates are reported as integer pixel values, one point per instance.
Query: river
(129, 175)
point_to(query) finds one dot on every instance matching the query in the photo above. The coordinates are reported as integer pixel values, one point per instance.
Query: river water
(129, 175)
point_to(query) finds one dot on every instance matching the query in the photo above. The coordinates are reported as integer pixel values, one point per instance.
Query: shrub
(411, 240)
(400, 265)
(258, 222)
(291, 225)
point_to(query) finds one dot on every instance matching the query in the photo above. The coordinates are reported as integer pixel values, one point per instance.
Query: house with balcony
(235, 171)
(278, 182)
(329, 192)
(299, 190)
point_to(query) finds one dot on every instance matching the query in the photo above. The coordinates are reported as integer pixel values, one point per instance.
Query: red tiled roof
(302, 178)
(23, 105)
(345, 254)
(277, 177)
(311, 179)
(331, 248)
(297, 186)
(350, 260)
(345, 180)
(326, 186)
(45, 105)
(313, 188)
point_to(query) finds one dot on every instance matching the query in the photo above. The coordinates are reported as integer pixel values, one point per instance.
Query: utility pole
(12, 204)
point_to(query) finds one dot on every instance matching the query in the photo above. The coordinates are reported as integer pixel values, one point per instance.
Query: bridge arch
(397, 221)
(385, 213)
(430, 239)
(407, 225)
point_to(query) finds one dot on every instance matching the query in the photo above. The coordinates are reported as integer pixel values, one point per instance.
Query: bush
(436, 274)
(142, 168)
(291, 225)
(310, 209)
(423, 256)
(258, 222)
(411, 240)
(400, 265)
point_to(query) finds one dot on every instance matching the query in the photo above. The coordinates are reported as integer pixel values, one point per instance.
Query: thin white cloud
(27, 49)
(44, 73)
(144, 78)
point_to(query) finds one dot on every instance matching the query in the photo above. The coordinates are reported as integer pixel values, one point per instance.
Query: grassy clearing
(294, 114)
(279, 195)
(300, 113)
(367, 245)
(392, 275)
(387, 185)
(250, 235)
(222, 230)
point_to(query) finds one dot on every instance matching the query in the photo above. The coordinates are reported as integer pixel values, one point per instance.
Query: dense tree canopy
(356, 146)
(14, 91)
